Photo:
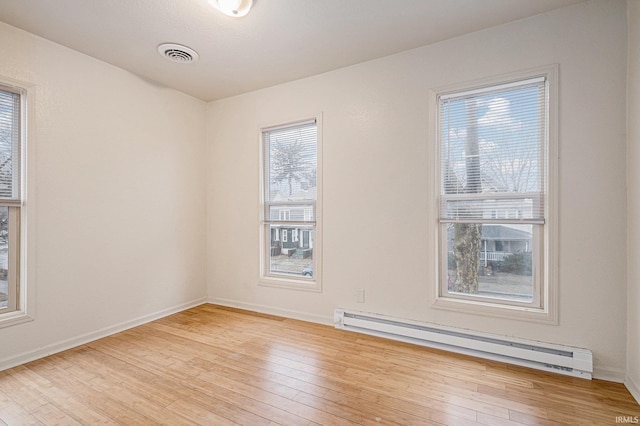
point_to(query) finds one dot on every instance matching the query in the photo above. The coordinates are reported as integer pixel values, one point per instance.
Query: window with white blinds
(493, 174)
(290, 192)
(11, 294)
(493, 153)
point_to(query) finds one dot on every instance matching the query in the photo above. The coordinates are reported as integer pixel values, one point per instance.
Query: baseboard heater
(542, 356)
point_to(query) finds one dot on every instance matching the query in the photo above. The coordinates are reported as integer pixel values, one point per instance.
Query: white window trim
(548, 312)
(26, 250)
(303, 283)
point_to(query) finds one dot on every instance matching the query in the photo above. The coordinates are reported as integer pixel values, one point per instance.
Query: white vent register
(542, 356)
(178, 53)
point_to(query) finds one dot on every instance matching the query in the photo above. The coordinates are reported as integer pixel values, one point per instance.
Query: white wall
(377, 214)
(118, 211)
(633, 199)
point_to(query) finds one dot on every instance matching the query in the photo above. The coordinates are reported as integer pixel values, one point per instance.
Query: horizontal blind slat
(493, 153)
(10, 128)
(290, 165)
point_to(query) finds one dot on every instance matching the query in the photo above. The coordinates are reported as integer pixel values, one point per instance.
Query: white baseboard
(264, 309)
(609, 374)
(633, 387)
(53, 348)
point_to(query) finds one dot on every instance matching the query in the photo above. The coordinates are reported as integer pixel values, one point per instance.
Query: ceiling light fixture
(234, 8)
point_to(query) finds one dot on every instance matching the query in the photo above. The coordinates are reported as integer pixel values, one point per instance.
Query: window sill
(291, 283)
(478, 307)
(14, 318)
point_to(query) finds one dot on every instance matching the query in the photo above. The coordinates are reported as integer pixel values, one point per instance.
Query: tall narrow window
(10, 199)
(493, 145)
(290, 190)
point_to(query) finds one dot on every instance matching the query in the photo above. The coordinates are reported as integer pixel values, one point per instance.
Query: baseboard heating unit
(542, 356)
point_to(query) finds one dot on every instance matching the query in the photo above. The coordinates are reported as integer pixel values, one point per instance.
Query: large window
(11, 114)
(493, 144)
(290, 205)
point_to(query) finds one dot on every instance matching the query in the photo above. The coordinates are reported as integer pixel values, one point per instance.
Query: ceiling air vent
(178, 53)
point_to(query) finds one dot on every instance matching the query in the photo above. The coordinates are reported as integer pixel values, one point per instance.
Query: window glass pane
(9, 144)
(4, 257)
(493, 144)
(291, 250)
(497, 265)
(291, 163)
(291, 213)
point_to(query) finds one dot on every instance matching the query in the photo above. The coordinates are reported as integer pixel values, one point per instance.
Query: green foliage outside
(517, 263)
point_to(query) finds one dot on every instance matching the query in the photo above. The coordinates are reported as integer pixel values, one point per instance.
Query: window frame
(545, 306)
(266, 278)
(22, 308)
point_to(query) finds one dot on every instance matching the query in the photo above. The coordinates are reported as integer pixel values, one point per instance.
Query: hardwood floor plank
(232, 412)
(28, 397)
(213, 365)
(50, 415)
(426, 408)
(248, 403)
(13, 413)
(489, 420)
(94, 398)
(66, 402)
(527, 419)
(371, 411)
(196, 413)
(274, 400)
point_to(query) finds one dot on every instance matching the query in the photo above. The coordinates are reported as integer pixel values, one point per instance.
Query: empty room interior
(320, 212)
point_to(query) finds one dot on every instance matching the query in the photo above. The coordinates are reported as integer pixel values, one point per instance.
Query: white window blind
(493, 153)
(9, 147)
(290, 166)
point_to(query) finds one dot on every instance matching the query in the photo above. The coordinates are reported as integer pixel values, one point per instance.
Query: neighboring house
(294, 241)
(500, 241)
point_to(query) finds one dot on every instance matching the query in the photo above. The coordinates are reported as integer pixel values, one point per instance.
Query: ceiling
(279, 41)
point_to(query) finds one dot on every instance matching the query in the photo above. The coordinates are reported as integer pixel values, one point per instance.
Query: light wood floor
(216, 366)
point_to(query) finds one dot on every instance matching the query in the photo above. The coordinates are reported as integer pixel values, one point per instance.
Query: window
(284, 214)
(11, 134)
(493, 144)
(290, 205)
